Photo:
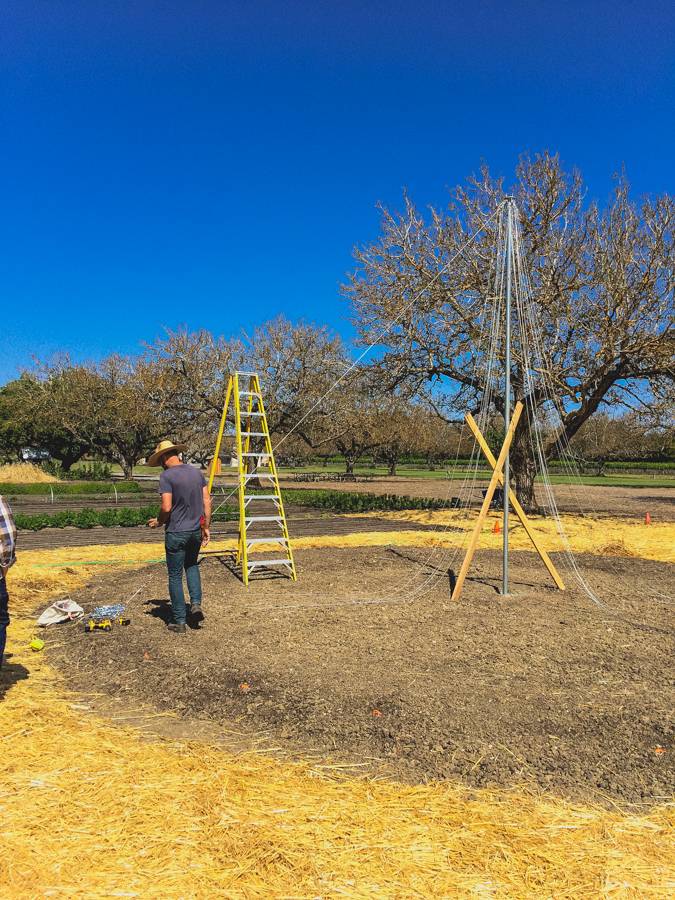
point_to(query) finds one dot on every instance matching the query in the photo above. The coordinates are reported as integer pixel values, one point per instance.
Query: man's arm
(206, 527)
(164, 511)
(7, 538)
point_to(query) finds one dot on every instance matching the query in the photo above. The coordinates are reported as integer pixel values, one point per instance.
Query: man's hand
(4, 570)
(154, 523)
(206, 535)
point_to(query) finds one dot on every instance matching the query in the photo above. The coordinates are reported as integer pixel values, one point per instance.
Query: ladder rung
(262, 497)
(249, 394)
(254, 433)
(251, 374)
(264, 518)
(253, 412)
(269, 562)
(277, 540)
(256, 454)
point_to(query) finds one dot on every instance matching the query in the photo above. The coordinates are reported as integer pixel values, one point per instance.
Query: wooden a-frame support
(498, 478)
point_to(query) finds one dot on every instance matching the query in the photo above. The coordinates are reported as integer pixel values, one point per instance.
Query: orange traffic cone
(648, 519)
(497, 529)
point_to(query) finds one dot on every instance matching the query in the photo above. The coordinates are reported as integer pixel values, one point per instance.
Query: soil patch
(540, 688)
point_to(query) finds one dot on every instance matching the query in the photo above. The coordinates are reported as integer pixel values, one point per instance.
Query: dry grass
(655, 541)
(618, 548)
(25, 473)
(90, 810)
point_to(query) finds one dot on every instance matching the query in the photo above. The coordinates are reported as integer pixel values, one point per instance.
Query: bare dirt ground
(624, 502)
(365, 660)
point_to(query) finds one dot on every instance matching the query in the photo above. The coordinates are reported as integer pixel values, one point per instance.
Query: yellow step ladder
(249, 423)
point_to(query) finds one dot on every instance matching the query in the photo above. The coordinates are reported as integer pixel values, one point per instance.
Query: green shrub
(94, 471)
(108, 517)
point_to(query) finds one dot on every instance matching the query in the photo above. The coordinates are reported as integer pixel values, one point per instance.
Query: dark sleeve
(204, 481)
(165, 484)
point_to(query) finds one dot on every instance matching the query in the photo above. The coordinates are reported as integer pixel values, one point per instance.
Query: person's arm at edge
(7, 538)
(206, 527)
(164, 511)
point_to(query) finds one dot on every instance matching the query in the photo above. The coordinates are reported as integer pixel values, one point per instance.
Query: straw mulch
(585, 535)
(92, 810)
(24, 473)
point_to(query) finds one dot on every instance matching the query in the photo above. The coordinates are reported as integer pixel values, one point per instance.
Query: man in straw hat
(186, 512)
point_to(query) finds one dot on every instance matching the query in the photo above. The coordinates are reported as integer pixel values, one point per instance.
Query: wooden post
(488, 499)
(516, 506)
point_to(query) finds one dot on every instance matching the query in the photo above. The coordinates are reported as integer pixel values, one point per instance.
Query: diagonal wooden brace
(516, 506)
(496, 475)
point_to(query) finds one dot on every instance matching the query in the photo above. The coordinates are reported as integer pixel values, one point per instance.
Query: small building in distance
(224, 461)
(34, 455)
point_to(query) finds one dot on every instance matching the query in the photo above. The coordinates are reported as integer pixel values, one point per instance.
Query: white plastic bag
(60, 611)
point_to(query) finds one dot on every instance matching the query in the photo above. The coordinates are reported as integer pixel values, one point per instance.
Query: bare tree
(104, 406)
(603, 438)
(603, 282)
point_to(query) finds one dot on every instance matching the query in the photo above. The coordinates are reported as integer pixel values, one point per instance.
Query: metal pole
(507, 392)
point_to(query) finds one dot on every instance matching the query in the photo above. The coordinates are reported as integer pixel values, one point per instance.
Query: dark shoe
(178, 627)
(196, 611)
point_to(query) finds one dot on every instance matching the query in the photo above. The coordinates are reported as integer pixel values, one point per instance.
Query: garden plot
(541, 689)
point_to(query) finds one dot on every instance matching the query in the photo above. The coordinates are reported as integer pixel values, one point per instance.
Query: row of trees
(119, 408)
(603, 288)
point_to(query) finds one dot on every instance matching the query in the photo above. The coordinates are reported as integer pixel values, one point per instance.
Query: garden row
(108, 518)
(340, 501)
(9, 490)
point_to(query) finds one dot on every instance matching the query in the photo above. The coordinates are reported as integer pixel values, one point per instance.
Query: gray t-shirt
(185, 484)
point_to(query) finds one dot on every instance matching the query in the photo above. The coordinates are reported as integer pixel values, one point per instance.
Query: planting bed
(540, 688)
(613, 501)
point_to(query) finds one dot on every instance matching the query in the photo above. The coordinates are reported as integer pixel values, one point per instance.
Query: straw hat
(164, 447)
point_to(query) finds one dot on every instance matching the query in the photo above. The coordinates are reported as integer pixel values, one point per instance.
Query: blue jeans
(182, 549)
(4, 616)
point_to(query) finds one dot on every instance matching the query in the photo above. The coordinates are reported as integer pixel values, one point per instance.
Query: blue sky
(212, 162)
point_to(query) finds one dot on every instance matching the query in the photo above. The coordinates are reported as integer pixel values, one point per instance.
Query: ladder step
(253, 434)
(249, 394)
(256, 454)
(277, 540)
(264, 519)
(269, 562)
(262, 497)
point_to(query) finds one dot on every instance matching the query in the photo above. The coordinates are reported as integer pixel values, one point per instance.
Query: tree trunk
(251, 469)
(350, 462)
(523, 466)
(601, 469)
(128, 469)
(524, 487)
(392, 467)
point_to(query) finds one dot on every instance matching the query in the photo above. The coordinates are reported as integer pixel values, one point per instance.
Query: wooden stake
(516, 506)
(496, 475)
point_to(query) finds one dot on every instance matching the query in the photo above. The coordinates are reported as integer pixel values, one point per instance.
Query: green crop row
(344, 501)
(88, 518)
(88, 487)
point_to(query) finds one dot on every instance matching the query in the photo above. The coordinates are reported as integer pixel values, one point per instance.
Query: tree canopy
(602, 289)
